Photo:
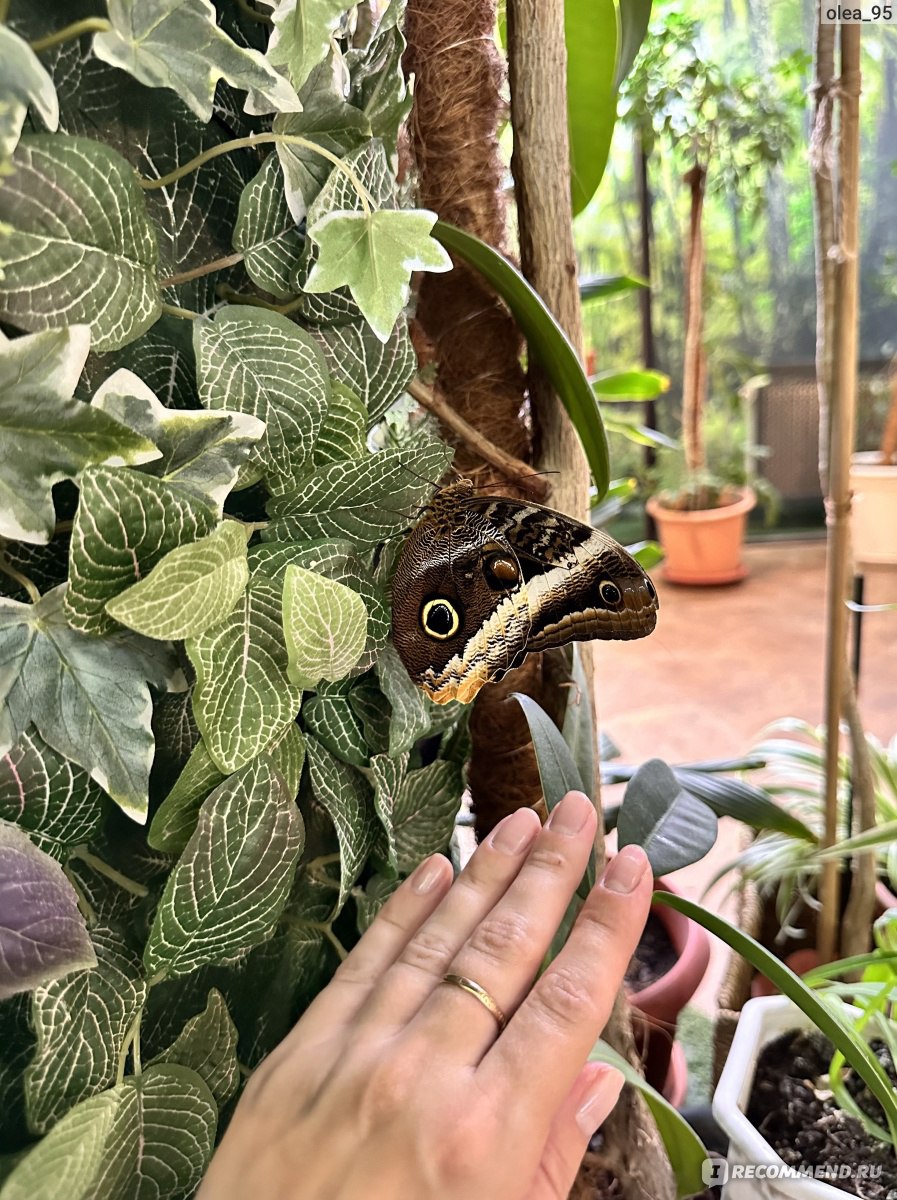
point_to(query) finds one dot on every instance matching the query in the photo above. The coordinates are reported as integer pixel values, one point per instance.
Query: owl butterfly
(482, 581)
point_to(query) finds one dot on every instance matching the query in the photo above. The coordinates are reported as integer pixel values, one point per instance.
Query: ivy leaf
(208, 1045)
(373, 254)
(177, 44)
(378, 79)
(345, 796)
(243, 695)
(176, 817)
(266, 234)
(42, 933)
(150, 1136)
(363, 500)
(409, 717)
(232, 881)
(126, 522)
(302, 33)
(325, 627)
(202, 451)
(424, 812)
(342, 435)
(192, 588)
(23, 82)
(50, 798)
(78, 245)
(45, 434)
(262, 363)
(81, 1023)
(88, 699)
(328, 121)
(369, 167)
(376, 371)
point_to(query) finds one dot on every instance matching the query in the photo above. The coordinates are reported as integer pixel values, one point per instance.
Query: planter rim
(863, 461)
(744, 504)
(693, 952)
(762, 1019)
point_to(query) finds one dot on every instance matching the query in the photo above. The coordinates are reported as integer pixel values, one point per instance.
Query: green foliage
(212, 768)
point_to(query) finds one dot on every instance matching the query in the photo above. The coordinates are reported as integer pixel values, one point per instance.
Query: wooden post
(537, 54)
(842, 417)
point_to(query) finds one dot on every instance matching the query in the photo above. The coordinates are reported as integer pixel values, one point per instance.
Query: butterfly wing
(482, 581)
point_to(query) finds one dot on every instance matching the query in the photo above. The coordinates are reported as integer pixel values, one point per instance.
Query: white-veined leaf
(325, 627)
(232, 881)
(376, 371)
(208, 1045)
(192, 588)
(262, 363)
(78, 245)
(243, 696)
(346, 798)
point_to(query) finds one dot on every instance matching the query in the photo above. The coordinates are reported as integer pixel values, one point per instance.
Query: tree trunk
(694, 376)
(632, 1148)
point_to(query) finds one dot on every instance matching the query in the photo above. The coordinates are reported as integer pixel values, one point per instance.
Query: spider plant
(781, 864)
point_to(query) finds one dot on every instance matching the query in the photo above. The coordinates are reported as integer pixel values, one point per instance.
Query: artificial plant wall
(215, 767)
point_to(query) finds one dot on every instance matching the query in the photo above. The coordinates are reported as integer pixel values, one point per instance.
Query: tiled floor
(725, 661)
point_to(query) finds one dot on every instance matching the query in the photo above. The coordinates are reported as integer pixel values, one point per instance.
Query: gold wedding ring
(479, 993)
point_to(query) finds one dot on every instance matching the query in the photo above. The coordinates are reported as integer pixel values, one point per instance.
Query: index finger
(551, 1034)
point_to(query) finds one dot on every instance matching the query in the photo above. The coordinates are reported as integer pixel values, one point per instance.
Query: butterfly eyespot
(610, 593)
(501, 571)
(440, 619)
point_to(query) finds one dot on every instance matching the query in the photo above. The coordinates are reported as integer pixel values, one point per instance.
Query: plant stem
(185, 314)
(71, 32)
(132, 1038)
(4, 11)
(520, 472)
(259, 139)
(22, 580)
(87, 909)
(247, 9)
(103, 868)
(220, 264)
(324, 928)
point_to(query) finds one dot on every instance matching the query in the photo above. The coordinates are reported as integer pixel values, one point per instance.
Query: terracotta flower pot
(703, 546)
(656, 1007)
(873, 516)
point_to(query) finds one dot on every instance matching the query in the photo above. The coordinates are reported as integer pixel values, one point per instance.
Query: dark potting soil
(654, 956)
(790, 1104)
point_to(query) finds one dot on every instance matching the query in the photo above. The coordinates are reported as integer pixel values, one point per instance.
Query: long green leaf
(855, 1049)
(546, 340)
(592, 287)
(592, 36)
(684, 1148)
(558, 771)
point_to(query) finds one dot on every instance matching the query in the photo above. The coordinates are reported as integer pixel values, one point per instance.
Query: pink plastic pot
(656, 1008)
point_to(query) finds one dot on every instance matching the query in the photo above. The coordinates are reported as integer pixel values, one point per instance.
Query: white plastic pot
(761, 1174)
(873, 519)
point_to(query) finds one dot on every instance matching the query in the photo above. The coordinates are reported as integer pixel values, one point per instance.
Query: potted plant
(833, 1135)
(709, 120)
(873, 482)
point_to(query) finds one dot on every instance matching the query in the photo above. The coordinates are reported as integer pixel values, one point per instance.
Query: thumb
(588, 1102)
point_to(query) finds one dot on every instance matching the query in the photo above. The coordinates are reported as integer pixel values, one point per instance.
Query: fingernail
(428, 875)
(571, 814)
(514, 833)
(604, 1089)
(625, 870)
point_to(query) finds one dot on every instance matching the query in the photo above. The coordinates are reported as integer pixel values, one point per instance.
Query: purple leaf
(42, 933)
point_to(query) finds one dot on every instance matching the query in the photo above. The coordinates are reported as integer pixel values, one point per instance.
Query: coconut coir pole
(632, 1149)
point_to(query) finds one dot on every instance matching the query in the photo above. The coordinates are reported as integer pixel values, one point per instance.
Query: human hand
(397, 1086)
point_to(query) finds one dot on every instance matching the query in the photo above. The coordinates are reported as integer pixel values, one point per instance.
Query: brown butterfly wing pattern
(482, 581)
